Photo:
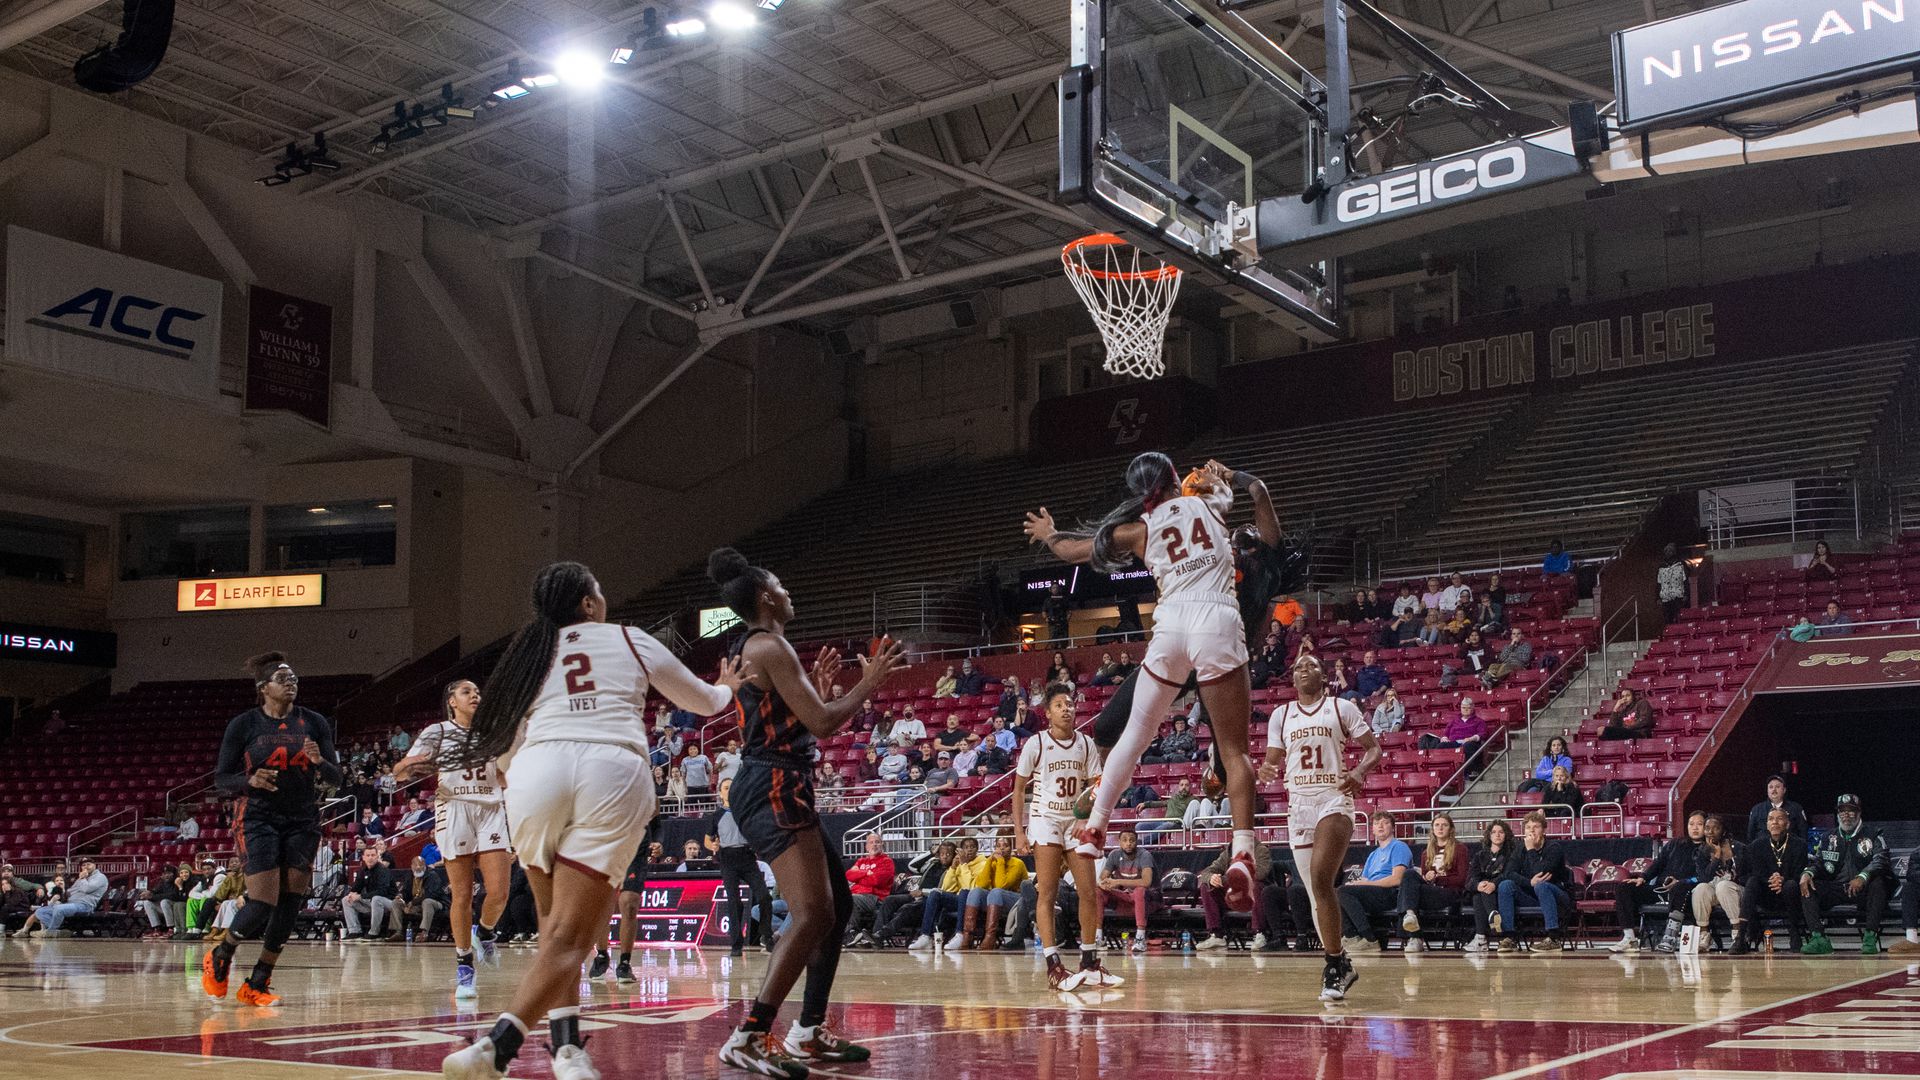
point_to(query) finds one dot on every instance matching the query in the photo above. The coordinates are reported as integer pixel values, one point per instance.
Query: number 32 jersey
(1058, 772)
(1189, 549)
(596, 690)
(480, 786)
(1315, 740)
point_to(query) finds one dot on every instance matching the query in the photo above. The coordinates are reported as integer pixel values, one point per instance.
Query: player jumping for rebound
(1308, 738)
(1196, 631)
(784, 708)
(1060, 765)
(470, 827)
(272, 761)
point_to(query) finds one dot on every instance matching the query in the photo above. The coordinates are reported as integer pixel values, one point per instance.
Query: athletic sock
(760, 1016)
(563, 1026)
(508, 1033)
(485, 932)
(223, 952)
(1089, 958)
(602, 954)
(463, 959)
(1051, 951)
(1242, 843)
(626, 957)
(262, 974)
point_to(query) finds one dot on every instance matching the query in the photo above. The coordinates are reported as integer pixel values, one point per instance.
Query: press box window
(330, 535)
(43, 553)
(184, 543)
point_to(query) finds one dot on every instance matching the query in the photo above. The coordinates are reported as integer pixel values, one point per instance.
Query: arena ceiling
(687, 167)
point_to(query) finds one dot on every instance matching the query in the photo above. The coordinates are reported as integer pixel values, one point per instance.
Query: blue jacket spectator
(1378, 890)
(1371, 678)
(1557, 560)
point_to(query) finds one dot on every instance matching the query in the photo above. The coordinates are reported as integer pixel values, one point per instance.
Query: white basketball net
(1130, 303)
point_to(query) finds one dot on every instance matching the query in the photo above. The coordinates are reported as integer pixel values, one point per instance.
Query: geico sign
(1429, 184)
(123, 317)
(1783, 36)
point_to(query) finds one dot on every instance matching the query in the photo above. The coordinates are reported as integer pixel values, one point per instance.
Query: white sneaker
(923, 943)
(1914, 936)
(1259, 942)
(1212, 942)
(1477, 945)
(572, 1063)
(1410, 922)
(474, 1062)
(1415, 944)
(956, 943)
(1357, 944)
(1627, 943)
(1140, 945)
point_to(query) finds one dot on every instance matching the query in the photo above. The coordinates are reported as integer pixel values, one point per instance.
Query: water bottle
(1186, 941)
(1126, 940)
(1766, 943)
(409, 935)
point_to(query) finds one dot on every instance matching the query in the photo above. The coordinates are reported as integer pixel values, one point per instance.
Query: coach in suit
(1776, 800)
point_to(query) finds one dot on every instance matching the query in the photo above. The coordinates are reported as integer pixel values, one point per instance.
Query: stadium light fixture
(623, 52)
(577, 67)
(728, 15)
(770, 5)
(686, 27)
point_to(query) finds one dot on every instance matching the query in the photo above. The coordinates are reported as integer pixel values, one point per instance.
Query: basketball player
(783, 710)
(272, 760)
(1061, 765)
(1196, 631)
(470, 826)
(564, 709)
(1309, 738)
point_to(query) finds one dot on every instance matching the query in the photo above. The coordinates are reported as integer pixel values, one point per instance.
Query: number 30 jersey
(1189, 549)
(480, 787)
(1057, 772)
(596, 690)
(1315, 740)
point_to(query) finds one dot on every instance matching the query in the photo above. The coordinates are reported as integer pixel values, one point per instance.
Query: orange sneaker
(213, 975)
(261, 997)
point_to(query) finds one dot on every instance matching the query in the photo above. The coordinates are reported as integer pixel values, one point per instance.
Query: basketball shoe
(1093, 840)
(1338, 978)
(1094, 974)
(463, 987)
(572, 1063)
(258, 996)
(1239, 882)
(1060, 979)
(821, 1043)
(760, 1053)
(471, 1062)
(213, 974)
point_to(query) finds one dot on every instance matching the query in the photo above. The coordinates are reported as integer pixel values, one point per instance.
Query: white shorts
(580, 803)
(469, 828)
(1304, 813)
(1203, 638)
(1049, 830)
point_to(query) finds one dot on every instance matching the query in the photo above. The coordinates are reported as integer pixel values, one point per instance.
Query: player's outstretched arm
(774, 656)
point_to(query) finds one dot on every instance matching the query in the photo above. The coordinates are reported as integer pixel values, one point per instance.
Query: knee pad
(251, 920)
(280, 925)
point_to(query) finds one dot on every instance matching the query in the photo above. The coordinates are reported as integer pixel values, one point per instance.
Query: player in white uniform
(1059, 766)
(564, 713)
(469, 827)
(1196, 631)
(1308, 738)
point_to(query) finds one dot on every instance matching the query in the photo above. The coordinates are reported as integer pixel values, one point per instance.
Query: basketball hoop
(1130, 303)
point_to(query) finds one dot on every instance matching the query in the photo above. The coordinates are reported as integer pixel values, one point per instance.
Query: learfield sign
(1753, 52)
(237, 594)
(57, 645)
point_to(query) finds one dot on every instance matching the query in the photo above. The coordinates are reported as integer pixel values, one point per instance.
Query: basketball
(1198, 482)
(1083, 806)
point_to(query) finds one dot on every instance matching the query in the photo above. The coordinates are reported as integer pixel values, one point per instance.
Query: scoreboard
(682, 910)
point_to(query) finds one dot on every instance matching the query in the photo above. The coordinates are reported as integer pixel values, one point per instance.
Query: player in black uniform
(782, 711)
(273, 760)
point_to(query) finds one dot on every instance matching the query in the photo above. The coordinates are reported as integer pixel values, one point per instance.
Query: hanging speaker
(146, 26)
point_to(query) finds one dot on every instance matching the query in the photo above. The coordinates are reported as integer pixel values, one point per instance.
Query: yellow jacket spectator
(993, 887)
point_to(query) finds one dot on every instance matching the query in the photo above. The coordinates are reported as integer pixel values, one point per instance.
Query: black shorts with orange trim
(773, 801)
(1112, 720)
(267, 842)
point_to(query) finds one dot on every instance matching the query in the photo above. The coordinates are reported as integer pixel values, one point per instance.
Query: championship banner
(289, 355)
(1557, 347)
(1861, 661)
(57, 645)
(238, 594)
(82, 311)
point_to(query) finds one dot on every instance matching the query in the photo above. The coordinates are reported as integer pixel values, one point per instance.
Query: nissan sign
(1754, 52)
(57, 645)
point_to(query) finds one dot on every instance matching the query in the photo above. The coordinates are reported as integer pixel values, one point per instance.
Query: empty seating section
(128, 752)
(1607, 453)
(941, 526)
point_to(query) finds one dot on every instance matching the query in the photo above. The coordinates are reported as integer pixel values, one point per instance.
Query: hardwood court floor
(107, 1010)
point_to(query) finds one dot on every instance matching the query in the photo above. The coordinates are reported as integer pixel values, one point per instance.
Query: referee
(738, 865)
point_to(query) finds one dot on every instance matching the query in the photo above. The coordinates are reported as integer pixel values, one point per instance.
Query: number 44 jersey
(596, 690)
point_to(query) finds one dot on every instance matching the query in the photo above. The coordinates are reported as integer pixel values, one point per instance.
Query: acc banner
(1848, 662)
(81, 311)
(289, 354)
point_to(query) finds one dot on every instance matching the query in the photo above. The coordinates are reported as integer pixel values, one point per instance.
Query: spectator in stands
(871, 880)
(1010, 699)
(1390, 715)
(996, 889)
(1473, 659)
(1515, 657)
(1466, 731)
(1406, 603)
(370, 826)
(1457, 593)
(1555, 757)
(1822, 567)
(1036, 696)
(908, 729)
(1835, 622)
(369, 896)
(1377, 891)
(1207, 812)
(901, 910)
(1107, 674)
(726, 763)
(947, 899)
(1175, 746)
(973, 681)
(1558, 561)
(1561, 792)
(1631, 717)
(1056, 609)
(1288, 612)
(968, 756)
(189, 828)
(951, 737)
(424, 894)
(867, 718)
(1366, 607)
(867, 769)
(1175, 808)
(1432, 630)
(1021, 724)
(1776, 800)
(893, 767)
(1060, 670)
(674, 742)
(1773, 865)
(1671, 581)
(1004, 737)
(1850, 865)
(1539, 873)
(1669, 880)
(1126, 665)
(1719, 886)
(1370, 680)
(78, 897)
(164, 904)
(227, 897)
(943, 777)
(1496, 594)
(1804, 630)
(1454, 630)
(694, 856)
(948, 684)
(684, 720)
(1488, 617)
(1271, 658)
(398, 740)
(1125, 879)
(674, 798)
(1436, 883)
(1340, 681)
(1213, 896)
(1137, 796)
(1436, 594)
(419, 815)
(16, 900)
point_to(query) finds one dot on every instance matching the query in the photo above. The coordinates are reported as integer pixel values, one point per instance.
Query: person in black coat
(1490, 865)
(1670, 881)
(1538, 873)
(1770, 880)
(1776, 800)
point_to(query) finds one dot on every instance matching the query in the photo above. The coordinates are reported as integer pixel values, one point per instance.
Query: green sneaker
(1817, 945)
(1869, 942)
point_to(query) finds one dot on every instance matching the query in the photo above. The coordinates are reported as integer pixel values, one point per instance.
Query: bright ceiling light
(579, 68)
(622, 54)
(512, 91)
(728, 15)
(686, 27)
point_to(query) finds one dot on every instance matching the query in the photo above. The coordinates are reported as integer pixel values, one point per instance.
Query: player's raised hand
(826, 664)
(734, 670)
(875, 669)
(1039, 526)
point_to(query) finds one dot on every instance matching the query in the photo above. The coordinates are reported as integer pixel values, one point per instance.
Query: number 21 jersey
(1314, 741)
(596, 689)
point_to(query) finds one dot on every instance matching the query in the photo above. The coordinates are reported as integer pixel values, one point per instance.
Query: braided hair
(740, 581)
(517, 678)
(1150, 479)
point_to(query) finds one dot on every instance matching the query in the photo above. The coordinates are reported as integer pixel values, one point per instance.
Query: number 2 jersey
(1190, 550)
(479, 786)
(596, 690)
(257, 741)
(1057, 772)
(1315, 740)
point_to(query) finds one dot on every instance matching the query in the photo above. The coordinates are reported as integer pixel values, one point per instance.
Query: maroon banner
(289, 355)
(1560, 347)
(1847, 662)
(1148, 415)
